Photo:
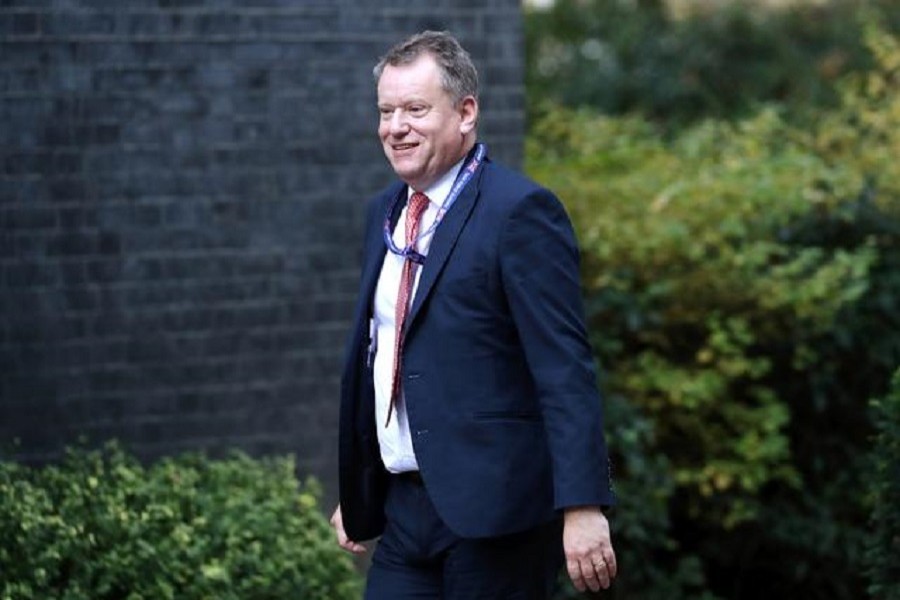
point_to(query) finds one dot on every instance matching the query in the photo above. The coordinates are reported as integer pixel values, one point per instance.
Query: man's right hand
(337, 521)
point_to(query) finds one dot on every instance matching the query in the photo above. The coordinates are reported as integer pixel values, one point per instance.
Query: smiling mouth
(402, 147)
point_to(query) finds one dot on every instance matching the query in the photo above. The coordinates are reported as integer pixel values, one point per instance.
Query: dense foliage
(743, 292)
(719, 59)
(884, 545)
(100, 526)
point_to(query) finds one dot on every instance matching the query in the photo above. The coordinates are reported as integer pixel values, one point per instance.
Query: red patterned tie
(418, 202)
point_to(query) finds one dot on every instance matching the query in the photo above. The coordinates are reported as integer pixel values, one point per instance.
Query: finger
(347, 544)
(602, 568)
(591, 577)
(611, 564)
(574, 570)
(344, 541)
(353, 547)
(603, 576)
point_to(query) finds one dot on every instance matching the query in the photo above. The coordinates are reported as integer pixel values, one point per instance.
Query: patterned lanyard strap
(463, 177)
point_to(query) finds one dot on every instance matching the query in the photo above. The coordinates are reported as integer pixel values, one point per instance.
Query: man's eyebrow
(404, 103)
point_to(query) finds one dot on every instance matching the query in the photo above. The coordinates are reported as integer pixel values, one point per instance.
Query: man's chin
(408, 174)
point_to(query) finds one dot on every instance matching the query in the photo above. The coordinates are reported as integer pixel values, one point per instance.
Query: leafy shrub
(883, 548)
(100, 526)
(718, 60)
(743, 290)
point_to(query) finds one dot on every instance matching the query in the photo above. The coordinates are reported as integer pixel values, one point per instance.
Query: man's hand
(590, 558)
(337, 521)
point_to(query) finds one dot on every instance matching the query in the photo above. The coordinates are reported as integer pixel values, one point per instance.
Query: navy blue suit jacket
(497, 372)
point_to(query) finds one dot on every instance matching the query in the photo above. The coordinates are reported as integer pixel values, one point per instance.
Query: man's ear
(468, 110)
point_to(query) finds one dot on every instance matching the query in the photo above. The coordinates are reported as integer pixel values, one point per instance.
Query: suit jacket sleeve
(540, 275)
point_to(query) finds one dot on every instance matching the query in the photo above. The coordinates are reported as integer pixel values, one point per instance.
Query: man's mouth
(402, 147)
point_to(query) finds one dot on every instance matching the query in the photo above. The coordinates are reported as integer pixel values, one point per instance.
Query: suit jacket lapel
(374, 256)
(442, 244)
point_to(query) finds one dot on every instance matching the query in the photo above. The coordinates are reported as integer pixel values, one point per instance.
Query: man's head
(428, 105)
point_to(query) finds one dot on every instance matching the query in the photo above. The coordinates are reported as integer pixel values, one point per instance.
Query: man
(471, 432)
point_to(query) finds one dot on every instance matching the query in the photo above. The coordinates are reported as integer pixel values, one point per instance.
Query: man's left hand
(590, 559)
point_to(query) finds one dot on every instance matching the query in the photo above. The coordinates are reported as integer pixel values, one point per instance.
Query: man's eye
(417, 109)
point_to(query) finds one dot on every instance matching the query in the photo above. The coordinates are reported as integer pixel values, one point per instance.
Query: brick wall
(181, 192)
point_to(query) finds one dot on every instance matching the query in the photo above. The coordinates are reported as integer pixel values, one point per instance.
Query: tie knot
(418, 202)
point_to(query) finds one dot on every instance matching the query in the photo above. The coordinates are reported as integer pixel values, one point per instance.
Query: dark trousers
(419, 557)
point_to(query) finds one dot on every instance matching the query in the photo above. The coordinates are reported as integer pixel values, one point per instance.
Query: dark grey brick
(72, 244)
(25, 24)
(30, 275)
(80, 299)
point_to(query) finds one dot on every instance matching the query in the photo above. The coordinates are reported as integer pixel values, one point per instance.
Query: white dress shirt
(395, 440)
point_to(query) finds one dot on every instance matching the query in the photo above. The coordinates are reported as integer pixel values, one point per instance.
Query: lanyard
(465, 174)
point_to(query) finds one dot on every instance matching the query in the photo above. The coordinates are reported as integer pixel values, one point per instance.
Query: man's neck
(440, 188)
(466, 150)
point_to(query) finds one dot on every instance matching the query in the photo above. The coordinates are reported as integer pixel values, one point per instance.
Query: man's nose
(398, 124)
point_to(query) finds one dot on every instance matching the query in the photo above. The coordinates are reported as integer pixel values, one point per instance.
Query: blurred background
(732, 171)
(181, 196)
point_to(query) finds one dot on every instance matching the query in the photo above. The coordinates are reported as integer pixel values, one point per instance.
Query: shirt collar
(438, 191)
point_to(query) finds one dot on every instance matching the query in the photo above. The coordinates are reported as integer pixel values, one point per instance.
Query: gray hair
(458, 74)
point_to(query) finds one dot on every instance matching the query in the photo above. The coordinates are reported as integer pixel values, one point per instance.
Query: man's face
(423, 132)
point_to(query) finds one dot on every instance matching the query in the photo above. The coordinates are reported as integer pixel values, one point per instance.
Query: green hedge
(100, 526)
(883, 549)
(743, 293)
(720, 59)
